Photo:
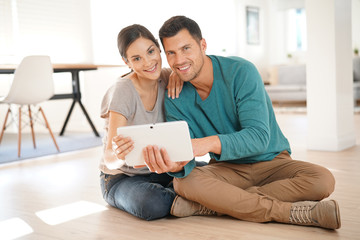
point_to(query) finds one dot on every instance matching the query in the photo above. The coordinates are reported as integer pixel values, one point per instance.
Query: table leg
(77, 98)
(89, 120)
(67, 117)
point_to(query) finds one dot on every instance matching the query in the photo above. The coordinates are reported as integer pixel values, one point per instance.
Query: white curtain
(59, 28)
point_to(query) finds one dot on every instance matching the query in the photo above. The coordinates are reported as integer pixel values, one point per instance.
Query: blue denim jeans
(145, 196)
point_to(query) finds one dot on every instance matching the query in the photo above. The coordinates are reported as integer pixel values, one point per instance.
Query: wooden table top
(63, 66)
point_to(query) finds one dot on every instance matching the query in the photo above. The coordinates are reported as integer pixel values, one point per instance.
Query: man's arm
(253, 116)
(202, 146)
(158, 161)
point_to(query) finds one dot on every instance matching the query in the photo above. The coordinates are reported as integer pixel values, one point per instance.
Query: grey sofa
(291, 83)
(356, 71)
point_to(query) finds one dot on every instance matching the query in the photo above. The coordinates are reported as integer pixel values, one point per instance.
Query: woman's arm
(117, 146)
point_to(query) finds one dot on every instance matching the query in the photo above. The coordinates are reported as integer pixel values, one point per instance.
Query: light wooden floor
(29, 187)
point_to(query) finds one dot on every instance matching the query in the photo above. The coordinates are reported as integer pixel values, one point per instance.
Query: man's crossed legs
(281, 190)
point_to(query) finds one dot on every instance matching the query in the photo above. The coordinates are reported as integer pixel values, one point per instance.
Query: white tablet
(173, 136)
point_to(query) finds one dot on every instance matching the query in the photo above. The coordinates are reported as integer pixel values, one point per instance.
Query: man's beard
(193, 76)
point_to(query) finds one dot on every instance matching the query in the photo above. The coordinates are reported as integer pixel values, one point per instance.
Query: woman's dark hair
(175, 24)
(131, 33)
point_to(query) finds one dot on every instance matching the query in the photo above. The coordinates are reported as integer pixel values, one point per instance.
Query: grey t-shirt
(123, 98)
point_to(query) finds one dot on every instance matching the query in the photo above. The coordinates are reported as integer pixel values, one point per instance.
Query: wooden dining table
(74, 69)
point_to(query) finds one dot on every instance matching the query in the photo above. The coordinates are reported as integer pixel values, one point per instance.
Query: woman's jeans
(145, 196)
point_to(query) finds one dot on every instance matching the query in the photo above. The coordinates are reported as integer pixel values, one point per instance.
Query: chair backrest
(33, 82)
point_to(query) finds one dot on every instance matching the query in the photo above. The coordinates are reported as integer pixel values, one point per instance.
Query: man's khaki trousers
(258, 192)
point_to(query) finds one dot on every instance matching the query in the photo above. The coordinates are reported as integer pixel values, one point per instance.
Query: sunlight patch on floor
(14, 228)
(69, 212)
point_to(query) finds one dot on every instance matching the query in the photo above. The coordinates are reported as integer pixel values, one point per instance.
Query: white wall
(223, 26)
(255, 53)
(217, 22)
(329, 75)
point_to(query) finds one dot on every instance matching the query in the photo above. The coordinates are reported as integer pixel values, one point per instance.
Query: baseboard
(326, 143)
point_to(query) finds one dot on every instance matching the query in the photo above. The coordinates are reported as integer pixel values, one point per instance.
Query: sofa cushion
(282, 88)
(292, 74)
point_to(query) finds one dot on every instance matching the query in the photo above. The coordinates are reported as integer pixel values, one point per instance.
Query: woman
(135, 99)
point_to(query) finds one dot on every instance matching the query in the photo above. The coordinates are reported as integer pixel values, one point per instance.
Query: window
(296, 30)
(60, 29)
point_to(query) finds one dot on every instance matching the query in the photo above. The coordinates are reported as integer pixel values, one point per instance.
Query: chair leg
(4, 125)
(47, 125)
(19, 133)
(32, 127)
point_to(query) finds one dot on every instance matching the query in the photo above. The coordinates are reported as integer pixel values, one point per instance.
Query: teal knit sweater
(238, 110)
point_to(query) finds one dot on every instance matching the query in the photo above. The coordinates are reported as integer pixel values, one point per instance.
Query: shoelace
(301, 214)
(206, 211)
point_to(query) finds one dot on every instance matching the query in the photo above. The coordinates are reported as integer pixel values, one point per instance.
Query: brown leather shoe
(323, 214)
(182, 207)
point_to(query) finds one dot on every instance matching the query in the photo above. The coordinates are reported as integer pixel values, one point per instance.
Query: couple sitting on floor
(250, 176)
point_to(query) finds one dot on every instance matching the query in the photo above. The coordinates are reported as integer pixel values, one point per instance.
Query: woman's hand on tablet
(158, 161)
(122, 146)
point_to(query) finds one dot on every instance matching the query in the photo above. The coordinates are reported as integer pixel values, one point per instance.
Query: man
(251, 175)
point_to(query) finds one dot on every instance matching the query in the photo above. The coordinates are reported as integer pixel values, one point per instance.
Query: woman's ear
(126, 62)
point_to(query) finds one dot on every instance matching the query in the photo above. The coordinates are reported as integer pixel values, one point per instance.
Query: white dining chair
(32, 84)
